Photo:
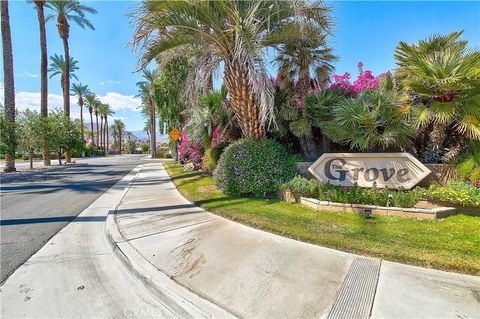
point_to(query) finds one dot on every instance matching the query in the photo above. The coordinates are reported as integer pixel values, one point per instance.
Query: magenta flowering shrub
(365, 81)
(189, 151)
(217, 138)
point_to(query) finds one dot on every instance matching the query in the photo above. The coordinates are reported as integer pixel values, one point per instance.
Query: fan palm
(91, 100)
(233, 32)
(147, 96)
(65, 11)
(107, 111)
(96, 105)
(305, 63)
(118, 128)
(373, 120)
(80, 91)
(444, 76)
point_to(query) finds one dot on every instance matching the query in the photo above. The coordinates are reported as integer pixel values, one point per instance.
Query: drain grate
(358, 291)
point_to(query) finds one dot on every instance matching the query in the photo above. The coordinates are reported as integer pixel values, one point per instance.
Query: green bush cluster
(303, 186)
(253, 167)
(352, 195)
(457, 193)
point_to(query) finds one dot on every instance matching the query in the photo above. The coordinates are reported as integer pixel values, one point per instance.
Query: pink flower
(182, 113)
(360, 65)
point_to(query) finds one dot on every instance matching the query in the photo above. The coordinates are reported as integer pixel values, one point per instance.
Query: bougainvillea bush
(253, 167)
(365, 81)
(189, 151)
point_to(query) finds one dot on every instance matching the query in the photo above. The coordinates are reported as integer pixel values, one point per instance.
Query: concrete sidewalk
(215, 267)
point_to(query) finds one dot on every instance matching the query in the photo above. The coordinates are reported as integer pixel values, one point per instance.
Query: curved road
(34, 208)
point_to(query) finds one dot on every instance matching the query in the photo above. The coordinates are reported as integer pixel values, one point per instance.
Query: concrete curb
(182, 302)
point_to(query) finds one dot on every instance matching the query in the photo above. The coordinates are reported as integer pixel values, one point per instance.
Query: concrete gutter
(179, 300)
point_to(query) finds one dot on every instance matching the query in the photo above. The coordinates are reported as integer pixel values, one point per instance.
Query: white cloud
(119, 101)
(31, 100)
(113, 82)
(31, 75)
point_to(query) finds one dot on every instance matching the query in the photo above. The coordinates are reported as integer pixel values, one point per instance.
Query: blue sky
(365, 31)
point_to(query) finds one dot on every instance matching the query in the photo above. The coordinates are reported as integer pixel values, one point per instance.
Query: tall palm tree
(80, 91)
(147, 95)
(95, 110)
(9, 86)
(108, 112)
(118, 128)
(235, 33)
(304, 64)
(443, 75)
(39, 5)
(65, 11)
(101, 110)
(91, 99)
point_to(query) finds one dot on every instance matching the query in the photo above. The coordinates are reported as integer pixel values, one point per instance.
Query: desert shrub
(457, 193)
(303, 186)
(253, 167)
(210, 158)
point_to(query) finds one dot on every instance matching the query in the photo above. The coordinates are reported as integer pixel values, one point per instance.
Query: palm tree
(80, 91)
(39, 5)
(299, 59)
(118, 128)
(147, 95)
(235, 33)
(91, 99)
(443, 77)
(65, 11)
(108, 112)
(9, 86)
(95, 110)
(101, 110)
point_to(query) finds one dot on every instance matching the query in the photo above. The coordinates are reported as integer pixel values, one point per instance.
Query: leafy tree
(30, 137)
(130, 146)
(442, 76)
(65, 134)
(235, 33)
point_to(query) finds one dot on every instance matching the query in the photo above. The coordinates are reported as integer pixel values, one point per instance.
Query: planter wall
(419, 213)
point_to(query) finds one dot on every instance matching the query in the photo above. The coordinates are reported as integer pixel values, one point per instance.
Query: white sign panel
(391, 170)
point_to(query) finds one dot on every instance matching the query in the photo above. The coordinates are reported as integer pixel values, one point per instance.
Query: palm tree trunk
(43, 71)
(98, 142)
(243, 101)
(91, 128)
(80, 103)
(63, 30)
(106, 133)
(9, 86)
(120, 142)
(153, 148)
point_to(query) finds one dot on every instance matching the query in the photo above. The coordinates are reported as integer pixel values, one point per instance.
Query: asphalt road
(36, 207)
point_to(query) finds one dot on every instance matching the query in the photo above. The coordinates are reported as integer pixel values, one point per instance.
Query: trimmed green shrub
(303, 186)
(368, 196)
(210, 158)
(253, 167)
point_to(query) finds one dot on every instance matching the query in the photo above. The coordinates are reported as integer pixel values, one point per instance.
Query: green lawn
(449, 244)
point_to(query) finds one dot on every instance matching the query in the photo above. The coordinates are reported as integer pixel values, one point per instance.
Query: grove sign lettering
(391, 170)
